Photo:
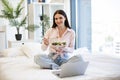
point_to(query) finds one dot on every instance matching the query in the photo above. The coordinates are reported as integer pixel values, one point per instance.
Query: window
(105, 25)
(97, 24)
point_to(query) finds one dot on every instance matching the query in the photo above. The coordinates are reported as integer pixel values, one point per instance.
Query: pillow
(75, 58)
(12, 52)
(30, 50)
(82, 51)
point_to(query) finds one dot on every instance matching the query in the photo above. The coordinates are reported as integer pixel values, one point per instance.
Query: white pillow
(32, 49)
(82, 50)
(12, 52)
(75, 58)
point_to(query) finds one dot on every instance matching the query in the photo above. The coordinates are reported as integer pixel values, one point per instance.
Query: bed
(18, 64)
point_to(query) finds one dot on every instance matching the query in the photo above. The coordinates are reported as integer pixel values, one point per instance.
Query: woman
(60, 39)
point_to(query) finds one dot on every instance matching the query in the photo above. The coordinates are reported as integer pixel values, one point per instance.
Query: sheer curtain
(81, 22)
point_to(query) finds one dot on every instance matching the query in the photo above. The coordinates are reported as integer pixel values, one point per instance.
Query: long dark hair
(62, 13)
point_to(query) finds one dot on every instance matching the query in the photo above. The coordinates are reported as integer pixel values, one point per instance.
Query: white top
(53, 36)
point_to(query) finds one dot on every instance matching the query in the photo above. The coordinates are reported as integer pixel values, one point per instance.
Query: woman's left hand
(60, 50)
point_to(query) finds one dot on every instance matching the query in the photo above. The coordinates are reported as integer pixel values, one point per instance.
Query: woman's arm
(45, 41)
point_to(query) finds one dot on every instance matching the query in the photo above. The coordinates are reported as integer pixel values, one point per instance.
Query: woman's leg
(44, 61)
(61, 59)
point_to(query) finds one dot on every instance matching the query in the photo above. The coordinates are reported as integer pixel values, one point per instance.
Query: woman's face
(59, 19)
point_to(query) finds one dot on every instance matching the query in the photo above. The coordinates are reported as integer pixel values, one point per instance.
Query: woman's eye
(60, 18)
(55, 18)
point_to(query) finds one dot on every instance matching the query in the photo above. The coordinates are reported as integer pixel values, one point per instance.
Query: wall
(67, 9)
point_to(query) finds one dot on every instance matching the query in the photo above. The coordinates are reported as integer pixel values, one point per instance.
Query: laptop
(72, 69)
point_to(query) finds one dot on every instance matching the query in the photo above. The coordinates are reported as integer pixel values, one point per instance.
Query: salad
(59, 43)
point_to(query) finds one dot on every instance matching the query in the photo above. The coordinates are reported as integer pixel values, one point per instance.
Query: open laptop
(72, 69)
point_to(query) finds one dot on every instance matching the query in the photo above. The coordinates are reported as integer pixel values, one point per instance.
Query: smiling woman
(60, 32)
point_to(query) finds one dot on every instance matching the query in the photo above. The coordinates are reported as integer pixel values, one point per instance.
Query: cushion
(76, 58)
(30, 50)
(12, 52)
(82, 50)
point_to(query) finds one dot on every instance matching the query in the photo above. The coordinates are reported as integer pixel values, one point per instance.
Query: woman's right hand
(45, 40)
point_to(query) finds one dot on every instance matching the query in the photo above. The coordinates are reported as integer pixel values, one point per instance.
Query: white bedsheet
(101, 67)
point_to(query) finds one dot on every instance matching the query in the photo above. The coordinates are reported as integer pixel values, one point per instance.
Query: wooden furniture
(2, 37)
(18, 43)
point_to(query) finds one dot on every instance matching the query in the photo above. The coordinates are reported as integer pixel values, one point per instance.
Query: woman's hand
(58, 49)
(46, 42)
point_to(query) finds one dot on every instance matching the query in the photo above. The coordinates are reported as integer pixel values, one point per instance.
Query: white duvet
(101, 67)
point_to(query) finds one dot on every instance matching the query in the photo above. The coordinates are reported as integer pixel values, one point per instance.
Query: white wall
(67, 9)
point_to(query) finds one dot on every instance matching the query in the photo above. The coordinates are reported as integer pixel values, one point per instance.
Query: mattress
(101, 67)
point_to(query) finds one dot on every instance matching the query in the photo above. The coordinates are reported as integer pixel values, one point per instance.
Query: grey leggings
(46, 61)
